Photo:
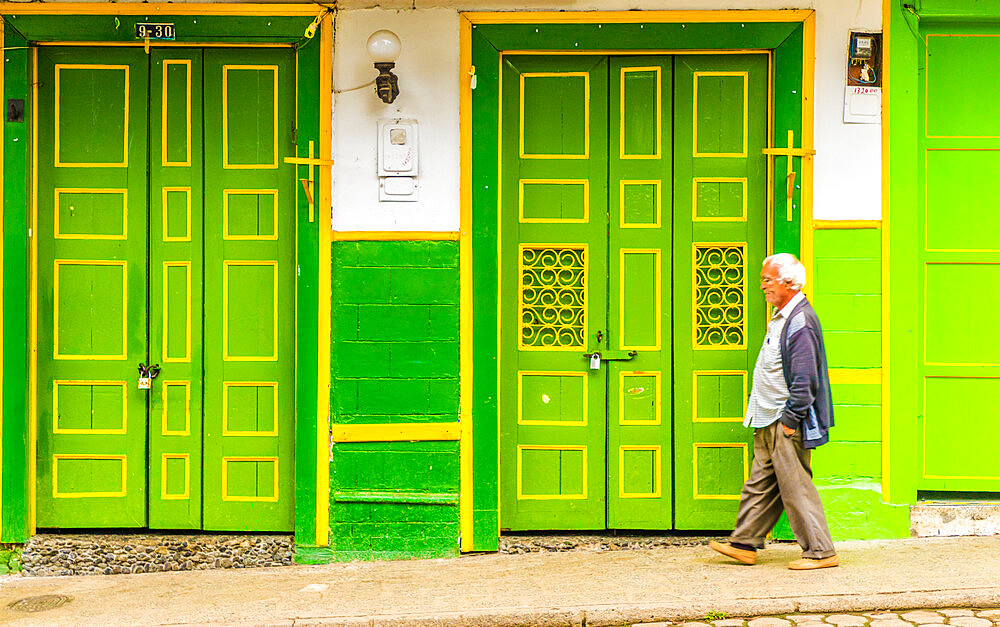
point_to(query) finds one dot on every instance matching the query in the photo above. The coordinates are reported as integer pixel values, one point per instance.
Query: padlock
(145, 383)
(595, 361)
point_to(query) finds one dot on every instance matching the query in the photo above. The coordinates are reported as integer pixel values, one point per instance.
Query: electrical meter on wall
(398, 157)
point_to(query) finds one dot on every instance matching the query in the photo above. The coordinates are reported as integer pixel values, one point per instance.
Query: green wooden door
(206, 264)
(607, 211)
(719, 245)
(958, 254)
(91, 301)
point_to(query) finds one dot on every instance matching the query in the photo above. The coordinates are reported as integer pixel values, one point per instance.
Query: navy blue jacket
(803, 362)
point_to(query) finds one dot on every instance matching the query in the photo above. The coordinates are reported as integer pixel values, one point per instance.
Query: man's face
(776, 291)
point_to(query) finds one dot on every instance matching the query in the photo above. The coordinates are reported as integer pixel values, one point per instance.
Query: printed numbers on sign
(155, 31)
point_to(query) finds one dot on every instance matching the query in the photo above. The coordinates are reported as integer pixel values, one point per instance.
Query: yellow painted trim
(586, 116)
(694, 299)
(806, 161)
(157, 8)
(694, 462)
(55, 309)
(466, 484)
(186, 359)
(90, 66)
(634, 17)
(416, 432)
(586, 298)
(249, 499)
(657, 407)
(395, 236)
(33, 314)
(659, 114)
(551, 497)
(586, 201)
(694, 394)
(163, 127)
(161, 44)
(226, 165)
(325, 283)
(622, 184)
(90, 236)
(717, 179)
(887, 490)
(226, 265)
(55, 408)
(164, 415)
(819, 225)
(657, 455)
(187, 235)
(226, 193)
(187, 477)
(863, 376)
(582, 375)
(657, 298)
(746, 116)
(83, 495)
(226, 431)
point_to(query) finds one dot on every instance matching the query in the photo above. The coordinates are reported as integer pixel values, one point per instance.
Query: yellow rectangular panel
(167, 221)
(525, 185)
(186, 64)
(545, 497)
(56, 352)
(167, 309)
(635, 391)
(657, 476)
(696, 207)
(631, 216)
(694, 462)
(226, 265)
(718, 373)
(80, 191)
(227, 198)
(537, 401)
(654, 295)
(57, 148)
(225, 119)
(245, 498)
(229, 385)
(655, 154)
(92, 476)
(164, 474)
(165, 420)
(585, 153)
(56, 415)
(746, 113)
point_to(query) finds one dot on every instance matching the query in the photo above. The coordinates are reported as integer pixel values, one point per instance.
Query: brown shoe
(812, 563)
(741, 555)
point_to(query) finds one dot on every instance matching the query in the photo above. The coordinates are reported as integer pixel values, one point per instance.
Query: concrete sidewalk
(572, 588)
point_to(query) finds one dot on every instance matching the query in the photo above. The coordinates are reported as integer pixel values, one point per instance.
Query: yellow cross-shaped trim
(789, 151)
(308, 183)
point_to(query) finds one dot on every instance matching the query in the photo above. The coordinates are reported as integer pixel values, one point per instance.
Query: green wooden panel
(249, 307)
(639, 476)
(960, 100)
(960, 216)
(92, 292)
(956, 256)
(176, 267)
(542, 200)
(555, 296)
(719, 200)
(719, 315)
(89, 214)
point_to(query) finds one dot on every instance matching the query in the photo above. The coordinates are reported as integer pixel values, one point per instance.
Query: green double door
(165, 235)
(632, 225)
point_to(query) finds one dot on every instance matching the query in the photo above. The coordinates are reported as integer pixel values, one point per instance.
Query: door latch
(147, 374)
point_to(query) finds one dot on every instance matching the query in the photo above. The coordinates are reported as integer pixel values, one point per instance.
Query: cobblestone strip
(111, 554)
(959, 617)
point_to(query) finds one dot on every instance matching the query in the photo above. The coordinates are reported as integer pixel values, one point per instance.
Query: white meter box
(398, 160)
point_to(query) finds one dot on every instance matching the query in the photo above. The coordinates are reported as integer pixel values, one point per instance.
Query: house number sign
(155, 31)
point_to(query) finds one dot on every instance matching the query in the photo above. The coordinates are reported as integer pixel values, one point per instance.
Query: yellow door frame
(469, 20)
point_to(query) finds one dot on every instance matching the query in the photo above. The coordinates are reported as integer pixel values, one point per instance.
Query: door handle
(597, 357)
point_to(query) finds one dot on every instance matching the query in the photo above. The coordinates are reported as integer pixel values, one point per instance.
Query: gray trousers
(781, 479)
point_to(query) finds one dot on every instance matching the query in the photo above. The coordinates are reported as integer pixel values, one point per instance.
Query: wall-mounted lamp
(384, 47)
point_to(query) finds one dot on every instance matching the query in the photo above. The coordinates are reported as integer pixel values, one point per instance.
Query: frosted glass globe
(384, 46)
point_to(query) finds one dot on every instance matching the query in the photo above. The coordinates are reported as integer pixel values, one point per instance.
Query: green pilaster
(15, 294)
(395, 327)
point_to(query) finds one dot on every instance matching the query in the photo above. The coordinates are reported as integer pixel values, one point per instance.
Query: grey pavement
(677, 584)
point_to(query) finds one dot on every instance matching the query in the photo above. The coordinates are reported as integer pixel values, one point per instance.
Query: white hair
(790, 270)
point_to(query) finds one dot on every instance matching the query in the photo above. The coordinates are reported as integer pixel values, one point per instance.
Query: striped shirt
(770, 392)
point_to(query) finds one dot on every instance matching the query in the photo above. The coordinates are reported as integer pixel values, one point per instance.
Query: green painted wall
(395, 360)
(846, 290)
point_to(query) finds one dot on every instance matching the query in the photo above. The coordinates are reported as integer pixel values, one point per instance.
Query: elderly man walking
(791, 412)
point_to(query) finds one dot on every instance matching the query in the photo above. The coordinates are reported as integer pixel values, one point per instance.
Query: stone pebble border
(518, 544)
(958, 617)
(112, 554)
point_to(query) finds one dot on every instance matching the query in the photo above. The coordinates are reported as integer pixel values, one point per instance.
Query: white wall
(847, 170)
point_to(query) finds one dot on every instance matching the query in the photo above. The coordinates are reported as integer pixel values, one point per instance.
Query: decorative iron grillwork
(553, 297)
(720, 296)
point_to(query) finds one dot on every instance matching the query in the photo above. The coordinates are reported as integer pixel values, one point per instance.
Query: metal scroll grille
(720, 296)
(553, 297)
